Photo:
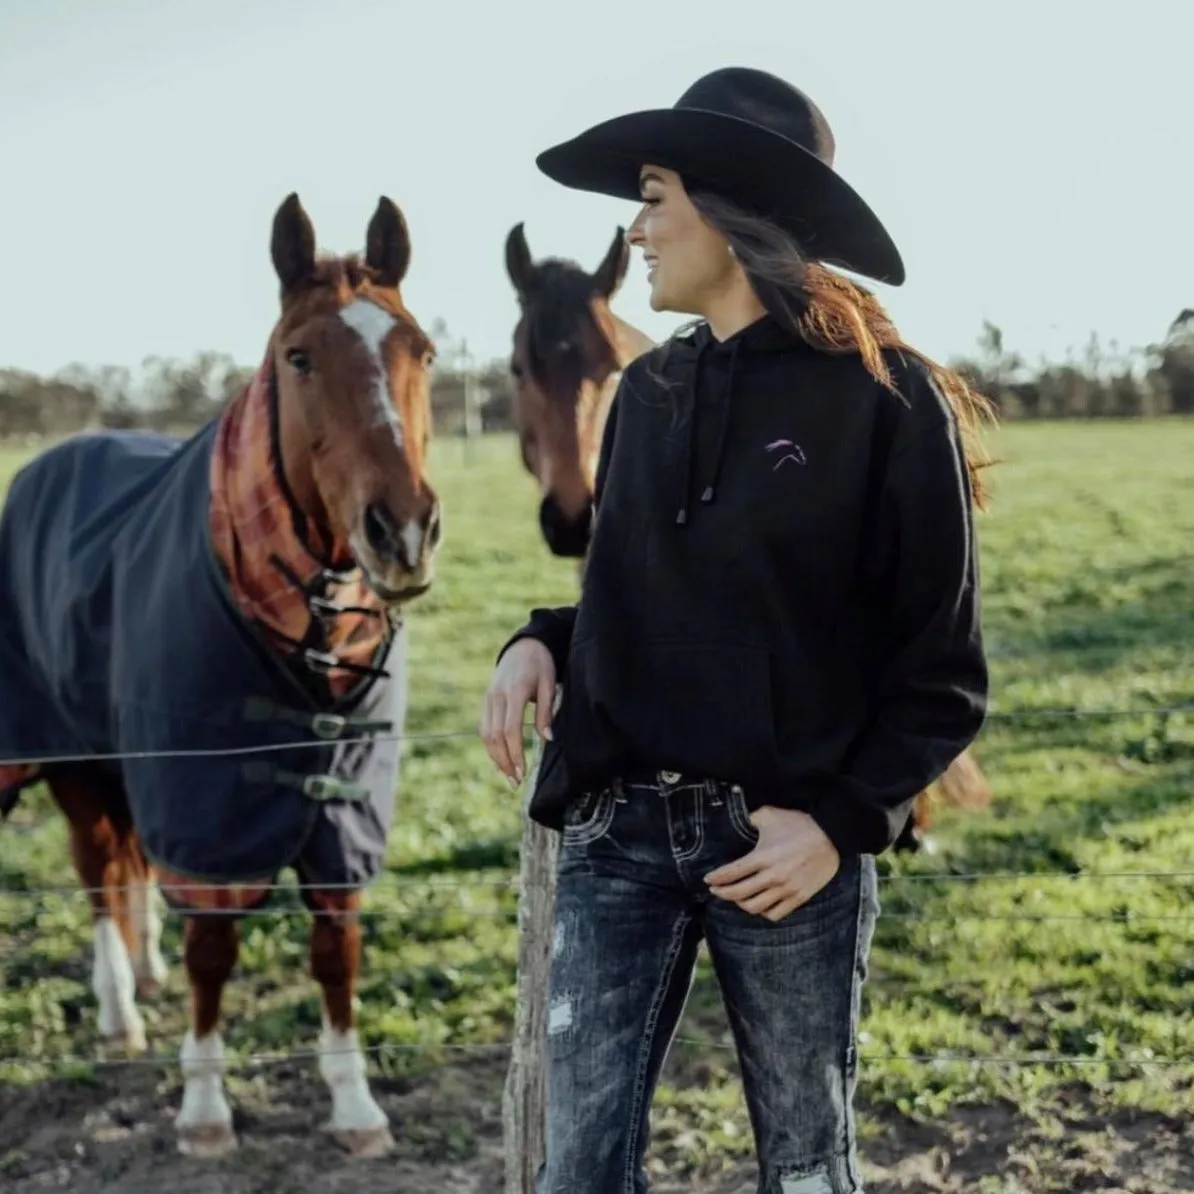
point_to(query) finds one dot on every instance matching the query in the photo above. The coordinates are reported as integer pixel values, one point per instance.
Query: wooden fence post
(524, 1096)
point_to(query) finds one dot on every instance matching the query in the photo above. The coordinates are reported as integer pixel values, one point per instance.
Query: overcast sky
(1033, 160)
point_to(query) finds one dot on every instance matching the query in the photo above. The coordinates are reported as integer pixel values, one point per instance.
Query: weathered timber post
(524, 1097)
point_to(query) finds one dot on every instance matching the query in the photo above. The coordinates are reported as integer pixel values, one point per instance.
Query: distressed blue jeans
(631, 909)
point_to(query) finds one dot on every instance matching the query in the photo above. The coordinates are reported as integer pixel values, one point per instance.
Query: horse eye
(516, 369)
(298, 360)
(429, 361)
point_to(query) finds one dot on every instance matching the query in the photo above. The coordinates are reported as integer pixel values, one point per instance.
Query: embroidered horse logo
(792, 451)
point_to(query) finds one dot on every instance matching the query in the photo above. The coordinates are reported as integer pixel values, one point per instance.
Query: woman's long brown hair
(834, 314)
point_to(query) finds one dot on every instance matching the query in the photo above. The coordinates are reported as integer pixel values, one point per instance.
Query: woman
(777, 643)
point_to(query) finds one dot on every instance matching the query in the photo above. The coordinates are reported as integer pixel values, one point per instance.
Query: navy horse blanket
(122, 644)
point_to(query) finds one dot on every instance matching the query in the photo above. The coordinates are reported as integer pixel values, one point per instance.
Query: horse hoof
(206, 1142)
(364, 1142)
(130, 1041)
(149, 987)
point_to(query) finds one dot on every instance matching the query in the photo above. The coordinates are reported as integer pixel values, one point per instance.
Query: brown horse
(569, 351)
(322, 526)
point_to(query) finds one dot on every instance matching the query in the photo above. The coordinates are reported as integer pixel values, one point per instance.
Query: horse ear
(292, 244)
(518, 260)
(612, 270)
(387, 243)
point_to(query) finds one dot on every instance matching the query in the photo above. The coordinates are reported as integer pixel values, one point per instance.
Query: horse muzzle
(396, 556)
(566, 537)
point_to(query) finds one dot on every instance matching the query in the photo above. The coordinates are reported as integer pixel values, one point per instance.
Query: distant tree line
(1098, 383)
(178, 396)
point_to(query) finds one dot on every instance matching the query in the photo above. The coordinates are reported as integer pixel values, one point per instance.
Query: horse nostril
(381, 531)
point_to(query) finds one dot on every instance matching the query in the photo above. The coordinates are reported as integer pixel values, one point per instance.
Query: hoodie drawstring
(709, 493)
(690, 435)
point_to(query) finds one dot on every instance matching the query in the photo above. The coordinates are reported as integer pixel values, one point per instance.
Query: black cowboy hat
(752, 138)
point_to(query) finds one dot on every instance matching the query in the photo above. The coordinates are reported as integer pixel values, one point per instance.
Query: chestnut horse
(278, 547)
(569, 350)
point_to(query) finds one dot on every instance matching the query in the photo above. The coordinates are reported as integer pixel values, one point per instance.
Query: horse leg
(105, 854)
(357, 1124)
(148, 964)
(204, 1124)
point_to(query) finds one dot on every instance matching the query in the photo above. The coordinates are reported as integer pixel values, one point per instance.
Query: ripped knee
(833, 1177)
(808, 1183)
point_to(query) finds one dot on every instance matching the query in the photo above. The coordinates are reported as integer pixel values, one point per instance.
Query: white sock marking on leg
(203, 1101)
(342, 1067)
(115, 986)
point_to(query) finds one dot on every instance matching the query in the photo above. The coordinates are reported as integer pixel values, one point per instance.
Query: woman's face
(689, 262)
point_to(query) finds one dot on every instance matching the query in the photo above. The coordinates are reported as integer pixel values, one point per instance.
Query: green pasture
(1082, 948)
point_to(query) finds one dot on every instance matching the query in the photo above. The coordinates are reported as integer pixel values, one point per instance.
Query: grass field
(1088, 954)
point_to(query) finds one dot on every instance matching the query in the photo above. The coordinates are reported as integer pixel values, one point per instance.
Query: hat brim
(743, 162)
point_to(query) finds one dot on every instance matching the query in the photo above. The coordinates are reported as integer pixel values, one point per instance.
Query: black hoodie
(781, 589)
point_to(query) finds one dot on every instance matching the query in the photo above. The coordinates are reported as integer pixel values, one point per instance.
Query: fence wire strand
(367, 915)
(1010, 715)
(509, 882)
(233, 1062)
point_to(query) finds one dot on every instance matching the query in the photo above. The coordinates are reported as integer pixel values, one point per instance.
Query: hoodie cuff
(837, 818)
(856, 825)
(551, 627)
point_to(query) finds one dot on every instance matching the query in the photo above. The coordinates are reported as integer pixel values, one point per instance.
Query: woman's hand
(525, 673)
(791, 862)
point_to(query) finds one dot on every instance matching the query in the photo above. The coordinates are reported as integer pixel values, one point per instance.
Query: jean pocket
(588, 817)
(740, 815)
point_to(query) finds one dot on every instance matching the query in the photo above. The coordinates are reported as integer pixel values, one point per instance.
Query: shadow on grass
(1095, 640)
(1049, 842)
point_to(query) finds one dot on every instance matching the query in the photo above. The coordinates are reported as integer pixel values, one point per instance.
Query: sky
(1032, 160)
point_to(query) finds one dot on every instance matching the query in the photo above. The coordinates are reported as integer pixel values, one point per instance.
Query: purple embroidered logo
(792, 451)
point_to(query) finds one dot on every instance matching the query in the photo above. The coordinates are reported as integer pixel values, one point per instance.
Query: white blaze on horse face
(342, 1066)
(115, 987)
(373, 324)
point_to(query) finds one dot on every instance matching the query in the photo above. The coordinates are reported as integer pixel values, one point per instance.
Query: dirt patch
(115, 1135)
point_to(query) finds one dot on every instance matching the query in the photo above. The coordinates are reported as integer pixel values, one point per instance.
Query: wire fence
(508, 884)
